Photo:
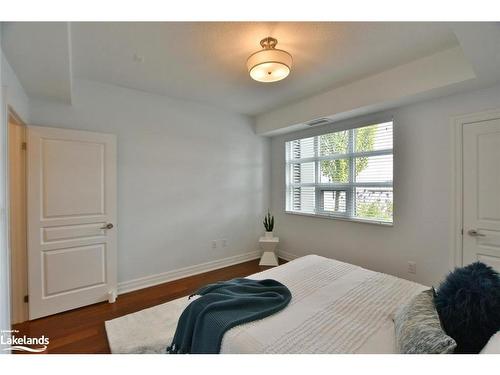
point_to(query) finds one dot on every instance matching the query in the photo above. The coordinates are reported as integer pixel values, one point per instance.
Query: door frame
(456, 230)
(15, 307)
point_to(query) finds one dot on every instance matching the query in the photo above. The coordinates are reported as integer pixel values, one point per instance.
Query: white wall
(422, 193)
(187, 174)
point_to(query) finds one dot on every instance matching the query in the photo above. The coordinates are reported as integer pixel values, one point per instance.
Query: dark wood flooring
(82, 330)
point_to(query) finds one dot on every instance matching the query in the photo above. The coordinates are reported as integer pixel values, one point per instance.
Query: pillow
(493, 345)
(418, 330)
(468, 303)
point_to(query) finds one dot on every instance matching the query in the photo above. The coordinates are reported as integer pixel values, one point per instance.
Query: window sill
(332, 217)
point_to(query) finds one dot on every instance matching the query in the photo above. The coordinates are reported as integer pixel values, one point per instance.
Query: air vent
(318, 121)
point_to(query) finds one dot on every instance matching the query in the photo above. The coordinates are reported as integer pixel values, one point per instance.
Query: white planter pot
(268, 235)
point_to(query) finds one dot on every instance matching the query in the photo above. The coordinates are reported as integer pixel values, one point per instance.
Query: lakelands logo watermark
(12, 341)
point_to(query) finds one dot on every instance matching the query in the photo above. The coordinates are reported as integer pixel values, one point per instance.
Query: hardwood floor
(82, 330)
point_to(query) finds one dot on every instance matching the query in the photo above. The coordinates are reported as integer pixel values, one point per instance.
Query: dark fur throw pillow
(468, 304)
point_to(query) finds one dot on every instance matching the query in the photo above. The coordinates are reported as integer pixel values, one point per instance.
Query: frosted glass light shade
(269, 65)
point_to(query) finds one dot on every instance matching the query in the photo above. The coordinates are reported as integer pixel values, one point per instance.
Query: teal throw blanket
(222, 306)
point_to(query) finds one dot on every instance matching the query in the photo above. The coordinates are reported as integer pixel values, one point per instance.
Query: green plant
(269, 222)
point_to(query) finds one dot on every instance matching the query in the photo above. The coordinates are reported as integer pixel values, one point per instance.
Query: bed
(336, 307)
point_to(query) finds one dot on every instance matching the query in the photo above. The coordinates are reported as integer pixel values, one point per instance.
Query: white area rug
(146, 331)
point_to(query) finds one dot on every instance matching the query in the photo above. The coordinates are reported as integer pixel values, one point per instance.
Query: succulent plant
(269, 222)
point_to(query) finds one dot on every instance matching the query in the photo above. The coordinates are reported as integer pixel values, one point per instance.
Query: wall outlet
(214, 244)
(224, 242)
(412, 267)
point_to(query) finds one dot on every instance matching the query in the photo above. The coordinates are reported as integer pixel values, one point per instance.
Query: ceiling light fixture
(269, 64)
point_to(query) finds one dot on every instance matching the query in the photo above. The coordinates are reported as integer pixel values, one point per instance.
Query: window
(345, 174)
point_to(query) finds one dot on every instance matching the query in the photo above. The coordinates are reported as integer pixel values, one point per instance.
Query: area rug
(145, 331)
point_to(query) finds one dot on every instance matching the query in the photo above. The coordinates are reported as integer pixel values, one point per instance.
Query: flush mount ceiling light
(269, 64)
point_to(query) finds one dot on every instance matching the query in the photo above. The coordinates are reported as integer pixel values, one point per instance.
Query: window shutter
(346, 174)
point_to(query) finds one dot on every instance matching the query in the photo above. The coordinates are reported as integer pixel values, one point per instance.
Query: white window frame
(349, 187)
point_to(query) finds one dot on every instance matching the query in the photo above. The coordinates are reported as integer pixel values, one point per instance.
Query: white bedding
(336, 307)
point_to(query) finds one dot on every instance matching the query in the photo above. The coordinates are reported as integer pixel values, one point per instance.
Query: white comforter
(336, 307)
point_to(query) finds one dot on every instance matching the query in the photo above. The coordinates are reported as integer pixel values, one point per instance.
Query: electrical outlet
(224, 242)
(214, 244)
(412, 267)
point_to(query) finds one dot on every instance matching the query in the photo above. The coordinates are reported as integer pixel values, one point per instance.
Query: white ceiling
(205, 61)
(40, 53)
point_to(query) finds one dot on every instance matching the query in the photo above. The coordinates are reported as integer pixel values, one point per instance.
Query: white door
(71, 219)
(481, 193)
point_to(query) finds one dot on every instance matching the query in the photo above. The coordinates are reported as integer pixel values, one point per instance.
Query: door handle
(107, 226)
(475, 233)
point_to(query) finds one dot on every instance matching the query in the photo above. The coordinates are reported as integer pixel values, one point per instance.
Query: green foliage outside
(376, 210)
(337, 170)
(337, 143)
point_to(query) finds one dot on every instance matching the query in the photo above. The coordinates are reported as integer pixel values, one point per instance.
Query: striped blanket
(336, 307)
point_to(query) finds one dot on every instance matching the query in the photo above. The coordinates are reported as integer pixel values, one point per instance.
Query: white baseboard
(160, 278)
(287, 256)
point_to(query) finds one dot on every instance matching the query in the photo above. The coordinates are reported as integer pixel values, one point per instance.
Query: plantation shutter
(346, 174)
